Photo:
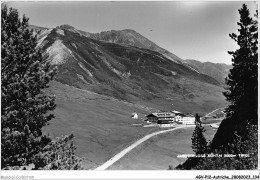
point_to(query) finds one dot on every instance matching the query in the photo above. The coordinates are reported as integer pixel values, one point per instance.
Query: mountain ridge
(218, 71)
(133, 38)
(130, 37)
(105, 36)
(127, 72)
(94, 36)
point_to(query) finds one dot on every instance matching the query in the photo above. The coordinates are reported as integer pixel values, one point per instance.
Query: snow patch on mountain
(82, 78)
(41, 37)
(173, 73)
(74, 45)
(86, 70)
(60, 32)
(187, 65)
(59, 53)
(194, 69)
(168, 57)
(110, 66)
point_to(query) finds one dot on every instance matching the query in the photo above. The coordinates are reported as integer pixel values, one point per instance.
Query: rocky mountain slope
(126, 37)
(131, 37)
(136, 72)
(216, 70)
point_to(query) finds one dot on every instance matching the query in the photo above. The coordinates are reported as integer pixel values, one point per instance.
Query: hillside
(102, 125)
(128, 73)
(130, 37)
(216, 70)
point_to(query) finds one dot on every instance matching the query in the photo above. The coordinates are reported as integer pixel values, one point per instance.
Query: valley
(103, 126)
(102, 81)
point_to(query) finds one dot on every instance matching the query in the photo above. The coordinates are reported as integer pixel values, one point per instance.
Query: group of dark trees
(238, 132)
(25, 107)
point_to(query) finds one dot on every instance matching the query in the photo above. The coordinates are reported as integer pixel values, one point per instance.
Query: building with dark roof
(161, 117)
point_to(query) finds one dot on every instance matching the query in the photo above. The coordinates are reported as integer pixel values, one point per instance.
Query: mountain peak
(73, 29)
(129, 30)
(65, 26)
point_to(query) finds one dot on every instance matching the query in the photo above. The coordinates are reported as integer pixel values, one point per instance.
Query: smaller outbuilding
(134, 115)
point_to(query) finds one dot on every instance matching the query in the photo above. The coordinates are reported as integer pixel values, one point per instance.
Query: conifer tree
(24, 73)
(199, 142)
(242, 83)
(238, 133)
(25, 108)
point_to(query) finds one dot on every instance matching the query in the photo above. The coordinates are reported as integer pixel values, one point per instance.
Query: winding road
(212, 112)
(128, 149)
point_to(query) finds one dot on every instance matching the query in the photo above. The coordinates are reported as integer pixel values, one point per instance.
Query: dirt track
(128, 149)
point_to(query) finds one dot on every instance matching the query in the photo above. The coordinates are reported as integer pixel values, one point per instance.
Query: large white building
(187, 120)
(168, 119)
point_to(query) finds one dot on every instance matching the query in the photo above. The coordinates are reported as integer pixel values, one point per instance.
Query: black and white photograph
(143, 86)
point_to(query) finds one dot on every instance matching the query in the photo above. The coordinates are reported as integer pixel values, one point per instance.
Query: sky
(191, 30)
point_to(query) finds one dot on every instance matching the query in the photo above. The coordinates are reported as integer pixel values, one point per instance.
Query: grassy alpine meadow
(102, 125)
(160, 152)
